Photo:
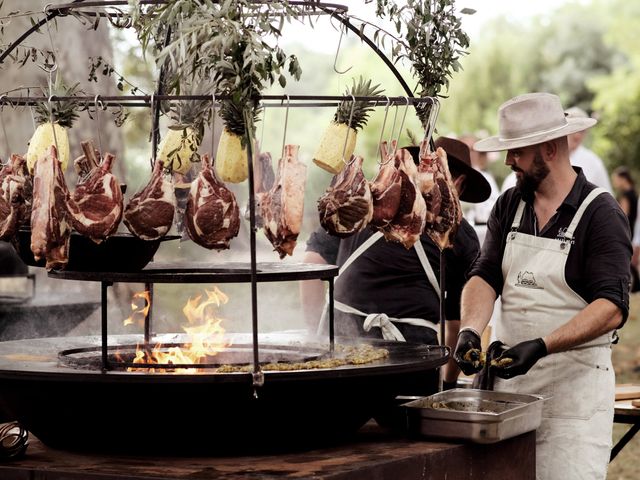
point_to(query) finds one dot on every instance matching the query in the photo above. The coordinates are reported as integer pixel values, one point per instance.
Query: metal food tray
(479, 416)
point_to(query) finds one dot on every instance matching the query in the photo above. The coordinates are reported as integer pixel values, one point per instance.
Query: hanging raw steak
(386, 189)
(15, 196)
(149, 213)
(444, 213)
(346, 207)
(282, 207)
(406, 227)
(212, 217)
(263, 179)
(50, 229)
(96, 204)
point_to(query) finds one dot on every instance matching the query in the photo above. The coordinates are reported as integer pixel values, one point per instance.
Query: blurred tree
(557, 52)
(617, 101)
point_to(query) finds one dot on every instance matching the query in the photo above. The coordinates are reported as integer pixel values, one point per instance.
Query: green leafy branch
(434, 42)
(226, 43)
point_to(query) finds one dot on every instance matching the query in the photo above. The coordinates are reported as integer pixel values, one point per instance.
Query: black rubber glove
(467, 353)
(524, 356)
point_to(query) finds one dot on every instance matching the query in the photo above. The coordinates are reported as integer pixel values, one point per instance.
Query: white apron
(574, 439)
(382, 320)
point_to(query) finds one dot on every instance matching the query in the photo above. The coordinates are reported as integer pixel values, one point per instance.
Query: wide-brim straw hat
(531, 119)
(477, 188)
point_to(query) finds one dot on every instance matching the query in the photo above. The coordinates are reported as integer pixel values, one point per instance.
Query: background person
(389, 281)
(627, 197)
(557, 251)
(478, 213)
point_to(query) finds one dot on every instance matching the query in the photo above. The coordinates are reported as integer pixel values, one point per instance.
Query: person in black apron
(386, 291)
(557, 251)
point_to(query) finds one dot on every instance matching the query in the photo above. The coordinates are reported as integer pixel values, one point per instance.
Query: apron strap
(426, 266)
(384, 322)
(516, 220)
(581, 209)
(359, 251)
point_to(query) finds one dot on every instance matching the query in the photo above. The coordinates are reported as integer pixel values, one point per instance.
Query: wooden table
(628, 414)
(374, 453)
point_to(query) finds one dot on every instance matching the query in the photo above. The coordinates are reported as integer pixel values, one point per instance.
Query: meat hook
(346, 138)
(213, 122)
(404, 117)
(98, 104)
(153, 149)
(431, 121)
(53, 128)
(335, 60)
(384, 124)
(4, 130)
(54, 67)
(286, 121)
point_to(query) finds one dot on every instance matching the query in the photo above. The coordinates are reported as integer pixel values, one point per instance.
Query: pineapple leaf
(361, 109)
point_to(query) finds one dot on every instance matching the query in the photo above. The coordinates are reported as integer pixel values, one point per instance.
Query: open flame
(206, 334)
(138, 314)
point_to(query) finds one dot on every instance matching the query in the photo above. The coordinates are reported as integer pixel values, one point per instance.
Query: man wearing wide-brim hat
(557, 250)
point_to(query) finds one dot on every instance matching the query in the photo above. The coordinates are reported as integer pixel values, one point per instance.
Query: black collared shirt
(598, 265)
(388, 278)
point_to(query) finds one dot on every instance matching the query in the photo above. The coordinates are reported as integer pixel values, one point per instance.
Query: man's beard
(528, 182)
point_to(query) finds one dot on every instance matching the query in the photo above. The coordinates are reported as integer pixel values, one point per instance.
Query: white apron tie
(382, 320)
(536, 300)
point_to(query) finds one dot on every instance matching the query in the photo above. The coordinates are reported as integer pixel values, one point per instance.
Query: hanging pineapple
(63, 114)
(179, 146)
(231, 157)
(329, 154)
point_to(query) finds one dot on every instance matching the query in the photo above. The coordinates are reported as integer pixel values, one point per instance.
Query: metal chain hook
(346, 138)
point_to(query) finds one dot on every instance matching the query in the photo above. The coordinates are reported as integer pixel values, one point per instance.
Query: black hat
(477, 188)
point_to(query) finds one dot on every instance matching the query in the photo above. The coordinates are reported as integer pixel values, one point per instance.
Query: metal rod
(105, 332)
(443, 295)
(624, 440)
(258, 376)
(278, 100)
(148, 317)
(331, 315)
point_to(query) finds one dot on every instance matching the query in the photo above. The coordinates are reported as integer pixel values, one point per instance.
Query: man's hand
(468, 350)
(524, 356)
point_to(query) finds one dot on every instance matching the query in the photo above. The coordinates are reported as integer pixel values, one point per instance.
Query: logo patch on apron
(527, 280)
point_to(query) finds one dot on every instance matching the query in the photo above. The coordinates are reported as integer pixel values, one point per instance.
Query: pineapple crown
(192, 113)
(361, 110)
(231, 113)
(62, 112)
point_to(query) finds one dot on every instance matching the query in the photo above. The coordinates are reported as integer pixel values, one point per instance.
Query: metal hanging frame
(336, 11)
